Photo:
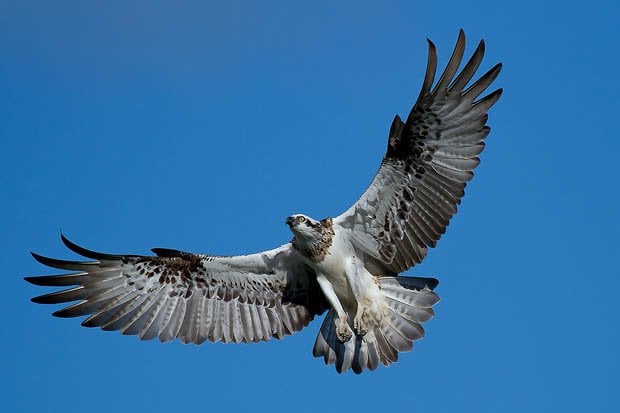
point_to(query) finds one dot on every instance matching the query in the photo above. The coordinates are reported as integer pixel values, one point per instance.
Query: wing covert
(192, 297)
(429, 160)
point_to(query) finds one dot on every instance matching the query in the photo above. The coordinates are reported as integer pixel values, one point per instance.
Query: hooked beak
(290, 221)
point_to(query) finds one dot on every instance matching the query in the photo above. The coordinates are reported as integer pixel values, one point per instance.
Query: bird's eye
(301, 219)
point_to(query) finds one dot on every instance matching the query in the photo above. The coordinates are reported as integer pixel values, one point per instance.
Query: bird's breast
(334, 263)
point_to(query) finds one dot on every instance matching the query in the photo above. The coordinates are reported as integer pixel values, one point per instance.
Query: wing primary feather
(481, 84)
(86, 252)
(64, 296)
(469, 70)
(453, 64)
(124, 312)
(489, 100)
(64, 264)
(58, 280)
(429, 77)
(76, 310)
(140, 316)
(150, 329)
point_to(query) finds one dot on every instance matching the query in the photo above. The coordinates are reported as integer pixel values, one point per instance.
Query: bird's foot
(359, 325)
(343, 331)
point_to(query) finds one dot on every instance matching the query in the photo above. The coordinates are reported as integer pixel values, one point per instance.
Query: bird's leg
(343, 331)
(355, 279)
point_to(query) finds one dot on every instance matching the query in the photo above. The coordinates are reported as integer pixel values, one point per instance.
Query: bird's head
(312, 238)
(304, 227)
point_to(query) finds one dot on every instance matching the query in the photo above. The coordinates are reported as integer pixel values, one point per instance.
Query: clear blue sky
(132, 125)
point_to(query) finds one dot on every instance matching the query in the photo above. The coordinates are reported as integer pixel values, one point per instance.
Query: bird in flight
(347, 265)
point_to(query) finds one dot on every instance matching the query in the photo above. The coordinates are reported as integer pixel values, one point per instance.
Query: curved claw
(343, 331)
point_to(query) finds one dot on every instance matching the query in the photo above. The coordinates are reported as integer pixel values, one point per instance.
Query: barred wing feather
(429, 160)
(192, 297)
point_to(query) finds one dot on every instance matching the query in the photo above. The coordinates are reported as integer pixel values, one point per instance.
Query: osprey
(346, 265)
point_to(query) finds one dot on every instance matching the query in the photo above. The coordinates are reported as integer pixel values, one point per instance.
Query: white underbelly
(342, 268)
(333, 268)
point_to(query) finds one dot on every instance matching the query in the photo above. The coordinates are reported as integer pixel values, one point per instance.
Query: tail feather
(407, 303)
(396, 338)
(387, 353)
(325, 340)
(360, 362)
(373, 356)
(409, 329)
(419, 314)
(344, 355)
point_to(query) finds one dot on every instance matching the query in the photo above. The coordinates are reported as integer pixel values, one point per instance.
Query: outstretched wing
(175, 294)
(429, 160)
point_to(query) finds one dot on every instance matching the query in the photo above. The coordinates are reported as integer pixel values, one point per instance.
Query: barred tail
(407, 302)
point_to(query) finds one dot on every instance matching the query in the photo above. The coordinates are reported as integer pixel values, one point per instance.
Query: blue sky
(200, 126)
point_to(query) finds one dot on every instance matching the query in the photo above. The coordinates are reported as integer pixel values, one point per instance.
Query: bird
(349, 266)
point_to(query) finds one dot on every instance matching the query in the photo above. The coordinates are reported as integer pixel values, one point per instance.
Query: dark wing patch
(186, 296)
(429, 160)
